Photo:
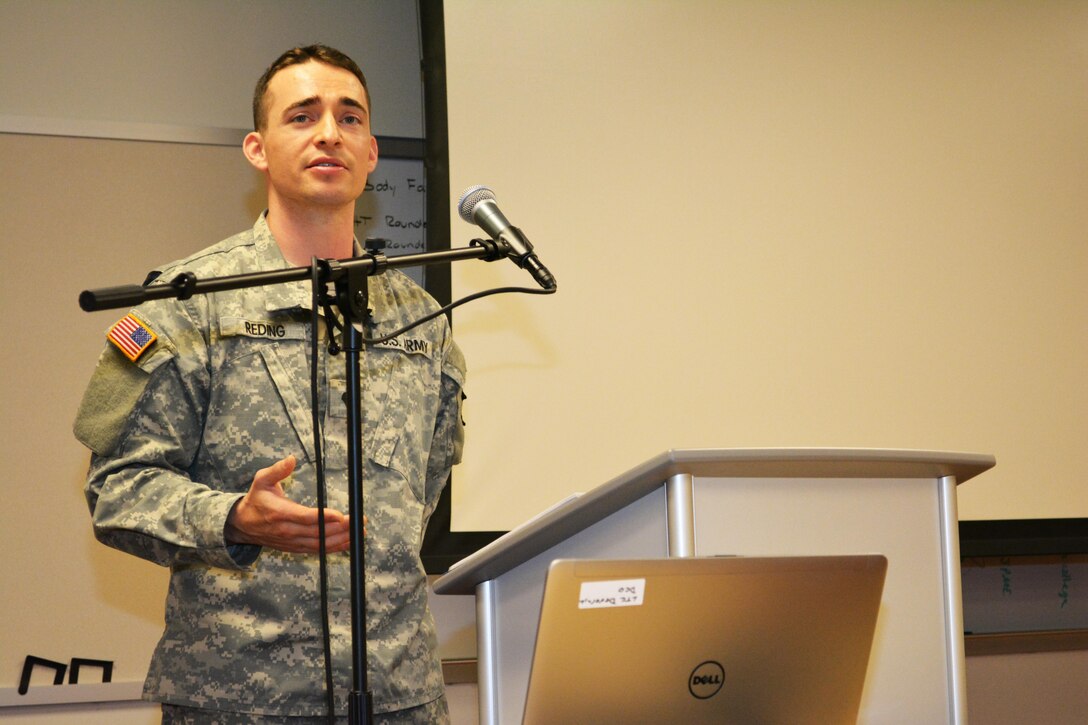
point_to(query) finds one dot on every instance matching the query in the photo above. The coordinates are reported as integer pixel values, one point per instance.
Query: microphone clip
(495, 250)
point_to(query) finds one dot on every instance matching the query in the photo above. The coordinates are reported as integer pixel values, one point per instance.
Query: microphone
(477, 205)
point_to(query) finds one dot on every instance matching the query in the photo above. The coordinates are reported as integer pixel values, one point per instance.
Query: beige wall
(791, 223)
(80, 213)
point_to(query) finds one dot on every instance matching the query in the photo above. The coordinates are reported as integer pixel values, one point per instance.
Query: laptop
(705, 640)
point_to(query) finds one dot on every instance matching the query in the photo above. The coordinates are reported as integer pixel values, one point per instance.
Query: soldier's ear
(253, 148)
(372, 159)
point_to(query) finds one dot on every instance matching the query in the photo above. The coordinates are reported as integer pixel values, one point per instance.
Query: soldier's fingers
(269, 477)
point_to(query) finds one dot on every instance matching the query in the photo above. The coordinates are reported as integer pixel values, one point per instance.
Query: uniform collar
(298, 295)
(268, 257)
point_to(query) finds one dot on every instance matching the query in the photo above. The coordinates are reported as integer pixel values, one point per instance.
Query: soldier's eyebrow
(349, 101)
(315, 100)
(304, 103)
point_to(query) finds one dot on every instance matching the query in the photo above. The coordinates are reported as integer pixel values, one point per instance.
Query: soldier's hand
(266, 517)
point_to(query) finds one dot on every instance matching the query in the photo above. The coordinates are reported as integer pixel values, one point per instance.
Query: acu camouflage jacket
(223, 391)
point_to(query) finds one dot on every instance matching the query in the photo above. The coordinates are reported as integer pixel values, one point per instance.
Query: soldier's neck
(312, 232)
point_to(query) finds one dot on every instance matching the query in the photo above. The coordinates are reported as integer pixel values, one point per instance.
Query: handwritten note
(614, 593)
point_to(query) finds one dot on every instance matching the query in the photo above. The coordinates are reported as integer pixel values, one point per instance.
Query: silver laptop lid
(705, 640)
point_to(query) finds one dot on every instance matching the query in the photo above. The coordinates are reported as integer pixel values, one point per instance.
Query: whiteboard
(393, 208)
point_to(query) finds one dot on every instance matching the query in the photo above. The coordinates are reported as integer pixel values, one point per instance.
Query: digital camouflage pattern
(431, 713)
(177, 436)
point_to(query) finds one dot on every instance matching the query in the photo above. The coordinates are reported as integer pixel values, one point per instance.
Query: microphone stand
(350, 278)
(352, 298)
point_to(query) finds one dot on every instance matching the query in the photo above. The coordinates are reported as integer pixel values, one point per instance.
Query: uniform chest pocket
(400, 403)
(259, 411)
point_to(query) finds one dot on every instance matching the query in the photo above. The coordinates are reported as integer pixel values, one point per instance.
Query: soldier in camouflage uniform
(198, 420)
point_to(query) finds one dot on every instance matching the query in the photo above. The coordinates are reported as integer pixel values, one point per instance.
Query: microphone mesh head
(472, 196)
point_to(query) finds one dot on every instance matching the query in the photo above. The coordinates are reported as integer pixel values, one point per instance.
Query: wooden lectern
(762, 502)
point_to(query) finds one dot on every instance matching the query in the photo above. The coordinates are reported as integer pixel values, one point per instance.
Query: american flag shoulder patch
(131, 336)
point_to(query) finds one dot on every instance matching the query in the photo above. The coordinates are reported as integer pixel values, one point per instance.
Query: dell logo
(706, 679)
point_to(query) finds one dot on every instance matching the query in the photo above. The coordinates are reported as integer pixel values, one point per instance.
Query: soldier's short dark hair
(296, 56)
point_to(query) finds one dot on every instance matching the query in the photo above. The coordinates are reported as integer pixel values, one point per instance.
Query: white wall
(798, 223)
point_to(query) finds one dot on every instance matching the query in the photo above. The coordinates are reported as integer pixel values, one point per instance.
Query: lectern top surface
(541, 534)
